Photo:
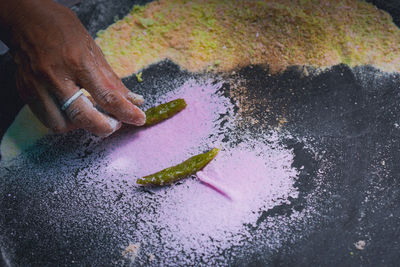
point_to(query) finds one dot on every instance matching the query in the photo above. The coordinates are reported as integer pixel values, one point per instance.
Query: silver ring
(71, 100)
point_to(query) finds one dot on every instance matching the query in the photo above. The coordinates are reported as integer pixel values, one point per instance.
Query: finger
(47, 111)
(26, 91)
(56, 124)
(108, 90)
(84, 115)
(111, 100)
(86, 93)
(98, 60)
(42, 104)
(135, 99)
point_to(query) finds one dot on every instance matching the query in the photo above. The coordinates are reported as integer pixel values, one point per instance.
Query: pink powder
(257, 176)
(188, 223)
(212, 183)
(152, 149)
(196, 219)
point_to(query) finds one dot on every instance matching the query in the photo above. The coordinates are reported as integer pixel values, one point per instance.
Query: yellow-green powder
(221, 35)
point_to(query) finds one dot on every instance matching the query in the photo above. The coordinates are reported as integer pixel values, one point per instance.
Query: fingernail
(139, 120)
(135, 98)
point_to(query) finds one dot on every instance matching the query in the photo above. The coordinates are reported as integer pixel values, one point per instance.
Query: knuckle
(45, 68)
(79, 117)
(108, 98)
(73, 58)
(83, 120)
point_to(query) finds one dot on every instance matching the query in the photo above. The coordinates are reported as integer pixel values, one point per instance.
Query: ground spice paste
(220, 35)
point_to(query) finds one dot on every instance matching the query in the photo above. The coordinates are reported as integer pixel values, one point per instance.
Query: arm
(56, 57)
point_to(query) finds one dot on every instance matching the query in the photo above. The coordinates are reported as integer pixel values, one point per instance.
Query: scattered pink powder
(257, 177)
(193, 216)
(154, 148)
(189, 223)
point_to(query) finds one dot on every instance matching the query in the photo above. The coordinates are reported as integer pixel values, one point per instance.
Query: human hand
(56, 57)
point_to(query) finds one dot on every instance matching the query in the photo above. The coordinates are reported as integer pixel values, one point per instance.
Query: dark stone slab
(349, 116)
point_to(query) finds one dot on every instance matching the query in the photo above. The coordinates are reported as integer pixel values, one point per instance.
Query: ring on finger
(71, 100)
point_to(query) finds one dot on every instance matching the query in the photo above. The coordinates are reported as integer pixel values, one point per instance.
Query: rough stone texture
(350, 117)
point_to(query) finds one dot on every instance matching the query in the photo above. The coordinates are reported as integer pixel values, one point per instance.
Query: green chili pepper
(164, 111)
(180, 171)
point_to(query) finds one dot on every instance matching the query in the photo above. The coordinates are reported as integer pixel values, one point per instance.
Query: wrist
(16, 15)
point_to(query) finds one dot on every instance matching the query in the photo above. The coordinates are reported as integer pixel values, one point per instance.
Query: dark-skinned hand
(56, 57)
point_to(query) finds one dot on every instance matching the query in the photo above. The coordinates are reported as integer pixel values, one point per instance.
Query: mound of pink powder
(170, 142)
(196, 218)
(255, 176)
